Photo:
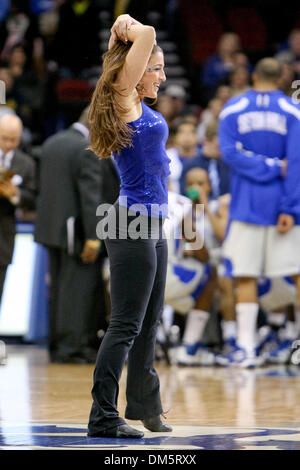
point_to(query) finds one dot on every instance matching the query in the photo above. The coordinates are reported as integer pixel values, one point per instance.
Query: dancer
(120, 122)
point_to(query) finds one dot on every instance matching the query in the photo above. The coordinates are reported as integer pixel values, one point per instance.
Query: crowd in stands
(50, 60)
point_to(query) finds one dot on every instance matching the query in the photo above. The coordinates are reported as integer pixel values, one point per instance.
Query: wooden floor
(256, 408)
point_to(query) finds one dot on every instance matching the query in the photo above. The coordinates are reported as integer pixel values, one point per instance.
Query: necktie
(3, 160)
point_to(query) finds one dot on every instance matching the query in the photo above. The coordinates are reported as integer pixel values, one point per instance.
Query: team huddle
(251, 236)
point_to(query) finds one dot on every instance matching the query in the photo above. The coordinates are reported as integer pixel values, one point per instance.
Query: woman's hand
(119, 29)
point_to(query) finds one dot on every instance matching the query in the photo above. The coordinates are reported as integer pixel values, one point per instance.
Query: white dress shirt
(5, 162)
(6, 159)
(81, 128)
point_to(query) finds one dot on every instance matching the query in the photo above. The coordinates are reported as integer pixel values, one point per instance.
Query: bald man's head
(11, 128)
(268, 70)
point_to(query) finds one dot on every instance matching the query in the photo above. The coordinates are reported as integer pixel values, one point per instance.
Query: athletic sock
(246, 314)
(194, 327)
(297, 321)
(229, 329)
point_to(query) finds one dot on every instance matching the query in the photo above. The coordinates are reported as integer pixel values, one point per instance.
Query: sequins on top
(144, 166)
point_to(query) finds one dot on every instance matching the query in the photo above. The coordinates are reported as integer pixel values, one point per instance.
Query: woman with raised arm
(122, 124)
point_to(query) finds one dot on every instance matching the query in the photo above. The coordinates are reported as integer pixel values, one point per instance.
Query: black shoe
(123, 430)
(155, 424)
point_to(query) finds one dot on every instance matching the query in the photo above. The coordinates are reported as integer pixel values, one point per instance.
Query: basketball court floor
(46, 407)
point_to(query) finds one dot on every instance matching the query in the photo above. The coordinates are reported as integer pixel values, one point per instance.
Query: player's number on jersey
(263, 100)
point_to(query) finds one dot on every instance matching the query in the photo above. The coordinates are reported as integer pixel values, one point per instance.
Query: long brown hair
(108, 132)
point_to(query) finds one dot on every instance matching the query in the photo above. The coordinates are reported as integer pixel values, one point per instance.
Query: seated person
(190, 280)
(209, 159)
(185, 148)
(274, 294)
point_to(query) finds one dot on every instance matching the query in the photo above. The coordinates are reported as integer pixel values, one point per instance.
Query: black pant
(73, 319)
(3, 270)
(138, 275)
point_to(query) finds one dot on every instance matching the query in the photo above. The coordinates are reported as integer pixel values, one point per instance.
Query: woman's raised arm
(142, 37)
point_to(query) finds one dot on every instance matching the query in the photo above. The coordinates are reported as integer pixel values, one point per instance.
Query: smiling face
(153, 76)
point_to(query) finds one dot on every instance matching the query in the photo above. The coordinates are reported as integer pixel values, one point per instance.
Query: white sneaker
(239, 357)
(226, 357)
(3, 356)
(194, 356)
(204, 357)
(248, 359)
(281, 354)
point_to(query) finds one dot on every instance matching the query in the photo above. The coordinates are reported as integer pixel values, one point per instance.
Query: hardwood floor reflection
(31, 389)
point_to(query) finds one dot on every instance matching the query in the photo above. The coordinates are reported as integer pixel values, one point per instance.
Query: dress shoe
(123, 430)
(155, 424)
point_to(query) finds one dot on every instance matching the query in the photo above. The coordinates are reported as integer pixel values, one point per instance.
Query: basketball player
(274, 295)
(190, 282)
(258, 131)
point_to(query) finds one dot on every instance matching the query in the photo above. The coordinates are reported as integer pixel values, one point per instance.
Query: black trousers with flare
(137, 284)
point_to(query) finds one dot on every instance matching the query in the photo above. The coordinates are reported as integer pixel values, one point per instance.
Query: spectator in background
(211, 113)
(17, 188)
(7, 78)
(292, 54)
(77, 37)
(165, 106)
(47, 26)
(172, 105)
(12, 103)
(45, 61)
(209, 159)
(223, 92)
(241, 59)
(69, 194)
(239, 80)
(220, 64)
(288, 75)
(4, 7)
(18, 28)
(17, 60)
(179, 96)
(185, 148)
(28, 90)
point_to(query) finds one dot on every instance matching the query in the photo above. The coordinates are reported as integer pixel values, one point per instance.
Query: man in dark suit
(69, 194)
(109, 192)
(17, 188)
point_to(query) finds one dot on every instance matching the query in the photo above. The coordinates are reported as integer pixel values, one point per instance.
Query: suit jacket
(110, 181)
(25, 179)
(110, 187)
(69, 191)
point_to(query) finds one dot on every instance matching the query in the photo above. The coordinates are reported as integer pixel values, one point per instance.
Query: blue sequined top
(144, 166)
